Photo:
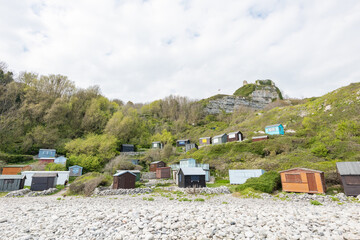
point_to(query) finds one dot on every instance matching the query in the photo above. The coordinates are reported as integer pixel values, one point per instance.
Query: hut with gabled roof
(349, 173)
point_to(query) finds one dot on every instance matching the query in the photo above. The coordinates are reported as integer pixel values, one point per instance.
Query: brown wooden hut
(124, 179)
(349, 173)
(235, 137)
(260, 138)
(155, 165)
(14, 169)
(164, 172)
(303, 180)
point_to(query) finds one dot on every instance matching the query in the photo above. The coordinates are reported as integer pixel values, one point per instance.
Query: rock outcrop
(255, 96)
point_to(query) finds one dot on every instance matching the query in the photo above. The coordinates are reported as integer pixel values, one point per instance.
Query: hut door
(311, 182)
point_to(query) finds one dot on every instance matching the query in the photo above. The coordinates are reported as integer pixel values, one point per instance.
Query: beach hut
(235, 137)
(205, 141)
(157, 145)
(10, 183)
(190, 162)
(124, 179)
(349, 173)
(276, 129)
(46, 155)
(190, 146)
(155, 165)
(14, 169)
(191, 177)
(127, 148)
(240, 176)
(182, 142)
(260, 138)
(136, 172)
(303, 180)
(163, 172)
(75, 171)
(60, 180)
(60, 160)
(219, 139)
(43, 181)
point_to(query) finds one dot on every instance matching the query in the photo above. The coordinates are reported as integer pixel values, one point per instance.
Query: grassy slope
(317, 144)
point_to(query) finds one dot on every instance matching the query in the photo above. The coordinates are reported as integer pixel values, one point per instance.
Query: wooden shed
(303, 180)
(191, 177)
(260, 138)
(136, 172)
(190, 146)
(219, 139)
(155, 165)
(235, 137)
(10, 183)
(43, 181)
(14, 169)
(275, 129)
(205, 141)
(127, 148)
(157, 145)
(163, 172)
(349, 173)
(182, 142)
(124, 179)
(75, 171)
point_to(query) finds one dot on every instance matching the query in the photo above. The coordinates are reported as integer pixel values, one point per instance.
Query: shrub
(86, 184)
(119, 163)
(199, 200)
(89, 163)
(319, 150)
(316, 203)
(15, 158)
(268, 182)
(55, 167)
(250, 193)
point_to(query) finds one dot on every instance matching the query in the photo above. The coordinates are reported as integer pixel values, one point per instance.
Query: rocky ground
(163, 216)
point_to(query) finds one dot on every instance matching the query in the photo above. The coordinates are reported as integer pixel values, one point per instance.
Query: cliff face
(256, 96)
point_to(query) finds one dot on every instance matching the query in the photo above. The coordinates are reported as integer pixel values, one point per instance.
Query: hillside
(51, 112)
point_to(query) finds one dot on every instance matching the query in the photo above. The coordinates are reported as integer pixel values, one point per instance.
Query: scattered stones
(18, 193)
(132, 191)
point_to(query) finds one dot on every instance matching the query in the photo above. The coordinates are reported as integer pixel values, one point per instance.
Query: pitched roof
(155, 162)
(76, 166)
(15, 166)
(182, 140)
(221, 135)
(275, 125)
(192, 171)
(204, 137)
(303, 169)
(123, 172)
(45, 175)
(348, 168)
(12, 176)
(133, 171)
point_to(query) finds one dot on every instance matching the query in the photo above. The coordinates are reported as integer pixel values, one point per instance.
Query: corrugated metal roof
(348, 168)
(275, 125)
(127, 145)
(182, 140)
(258, 137)
(192, 171)
(45, 175)
(156, 142)
(18, 166)
(133, 171)
(204, 137)
(303, 169)
(219, 136)
(12, 176)
(123, 172)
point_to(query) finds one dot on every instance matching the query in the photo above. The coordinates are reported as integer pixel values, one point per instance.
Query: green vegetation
(184, 200)
(2, 194)
(268, 183)
(245, 90)
(86, 184)
(148, 199)
(316, 203)
(55, 167)
(249, 193)
(199, 200)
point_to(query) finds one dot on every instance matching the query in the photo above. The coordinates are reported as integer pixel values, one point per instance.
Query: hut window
(195, 178)
(9, 181)
(352, 180)
(293, 178)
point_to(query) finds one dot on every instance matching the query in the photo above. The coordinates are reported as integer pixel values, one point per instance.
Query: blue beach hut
(276, 129)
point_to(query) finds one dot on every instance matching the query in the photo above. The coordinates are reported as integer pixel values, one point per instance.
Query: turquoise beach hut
(276, 129)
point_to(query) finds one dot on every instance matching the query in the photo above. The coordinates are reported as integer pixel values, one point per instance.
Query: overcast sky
(143, 50)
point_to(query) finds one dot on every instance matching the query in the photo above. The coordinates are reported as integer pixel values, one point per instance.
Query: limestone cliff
(256, 96)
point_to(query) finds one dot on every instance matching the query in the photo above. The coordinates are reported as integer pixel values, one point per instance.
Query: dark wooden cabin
(127, 148)
(182, 142)
(124, 179)
(155, 165)
(191, 177)
(235, 137)
(349, 173)
(11, 182)
(43, 181)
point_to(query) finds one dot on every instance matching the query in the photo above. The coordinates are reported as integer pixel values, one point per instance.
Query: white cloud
(145, 50)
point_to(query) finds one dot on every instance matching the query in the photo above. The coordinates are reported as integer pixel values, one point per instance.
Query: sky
(144, 50)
